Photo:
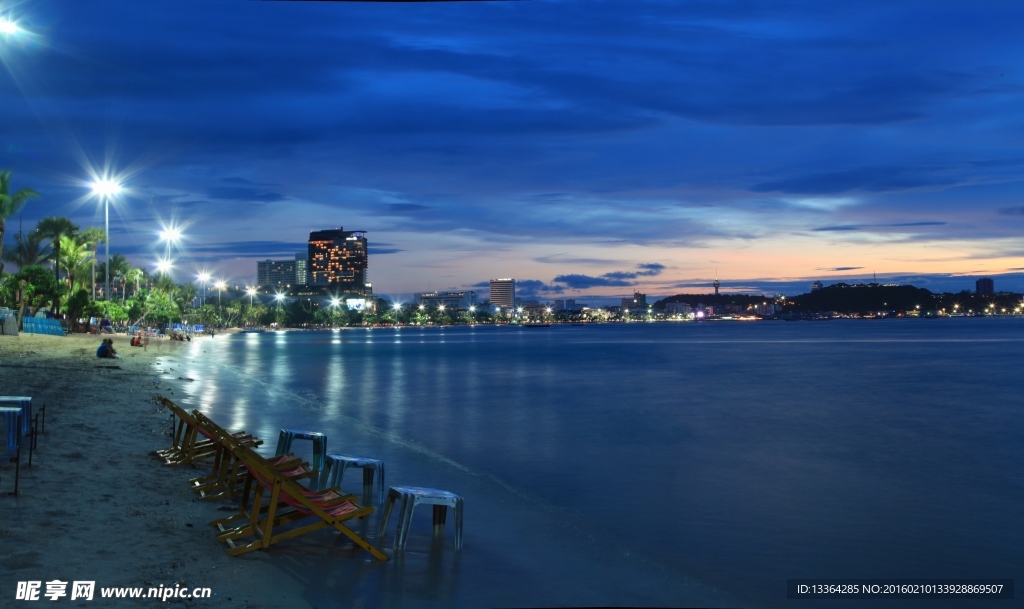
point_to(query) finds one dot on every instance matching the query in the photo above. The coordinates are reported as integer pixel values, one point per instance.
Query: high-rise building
(276, 274)
(984, 287)
(503, 292)
(301, 268)
(816, 286)
(716, 284)
(338, 258)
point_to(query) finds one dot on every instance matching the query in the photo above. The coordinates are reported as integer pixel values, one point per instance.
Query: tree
(92, 237)
(136, 276)
(76, 305)
(10, 204)
(53, 228)
(28, 250)
(76, 260)
(37, 288)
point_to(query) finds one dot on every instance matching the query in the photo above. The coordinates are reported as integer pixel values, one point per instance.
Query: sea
(700, 464)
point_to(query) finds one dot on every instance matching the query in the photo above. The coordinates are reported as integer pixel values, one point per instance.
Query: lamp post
(105, 189)
(251, 292)
(170, 235)
(203, 278)
(220, 290)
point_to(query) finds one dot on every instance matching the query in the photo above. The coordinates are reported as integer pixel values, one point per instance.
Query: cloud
(843, 268)
(582, 282)
(853, 227)
(1012, 211)
(243, 193)
(865, 179)
(403, 208)
(611, 279)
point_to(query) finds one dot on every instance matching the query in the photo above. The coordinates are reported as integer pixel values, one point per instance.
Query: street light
(220, 290)
(163, 266)
(105, 189)
(8, 27)
(203, 278)
(170, 235)
(251, 292)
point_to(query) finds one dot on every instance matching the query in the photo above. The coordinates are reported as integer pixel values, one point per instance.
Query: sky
(585, 148)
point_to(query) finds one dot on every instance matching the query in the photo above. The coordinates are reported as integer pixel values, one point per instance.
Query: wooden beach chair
(230, 474)
(192, 444)
(326, 508)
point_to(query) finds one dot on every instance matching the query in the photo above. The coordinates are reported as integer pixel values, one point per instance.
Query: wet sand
(94, 505)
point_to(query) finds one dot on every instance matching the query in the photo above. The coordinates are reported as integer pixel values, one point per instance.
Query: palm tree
(28, 250)
(53, 228)
(10, 205)
(76, 261)
(118, 268)
(92, 237)
(135, 275)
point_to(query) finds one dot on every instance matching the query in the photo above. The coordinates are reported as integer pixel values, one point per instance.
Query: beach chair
(229, 473)
(192, 444)
(326, 508)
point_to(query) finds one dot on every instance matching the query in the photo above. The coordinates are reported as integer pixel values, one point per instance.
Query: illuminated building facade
(338, 259)
(503, 292)
(275, 274)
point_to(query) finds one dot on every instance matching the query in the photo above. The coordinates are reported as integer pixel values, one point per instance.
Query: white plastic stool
(334, 471)
(411, 496)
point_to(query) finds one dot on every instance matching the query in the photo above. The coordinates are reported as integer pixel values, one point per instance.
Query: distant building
(339, 259)
(450, 300)
(984, 287)
(816, 286)
(558, 305)
(301, 268)
(639, 301)
(275, 274)
(716, 284)
(503, 292)
(678, 308)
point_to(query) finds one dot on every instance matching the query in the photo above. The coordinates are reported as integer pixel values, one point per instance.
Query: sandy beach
(95, 505)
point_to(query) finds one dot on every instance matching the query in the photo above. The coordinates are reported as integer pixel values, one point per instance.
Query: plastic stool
(411, 496)
(337, 464)
(284, 446)
(12, 419)
(23, 402)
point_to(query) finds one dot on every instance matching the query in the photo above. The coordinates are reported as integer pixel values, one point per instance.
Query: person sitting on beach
(106, 349)
(106, 327)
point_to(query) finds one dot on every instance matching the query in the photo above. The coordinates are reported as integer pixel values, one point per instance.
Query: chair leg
(458, 523)
(440, 512)
(408, 505)
(385, 516)
(380, 487)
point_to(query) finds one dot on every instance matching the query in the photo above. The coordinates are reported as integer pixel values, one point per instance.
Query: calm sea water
(654, 464)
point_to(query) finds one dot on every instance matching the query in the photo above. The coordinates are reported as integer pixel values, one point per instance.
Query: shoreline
(94, 505)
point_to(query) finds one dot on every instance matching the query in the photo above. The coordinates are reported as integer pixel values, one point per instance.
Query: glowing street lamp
(203, 278)
(279, 298)
(170, 235)
(440, 308)
(220, 285)
(8, 27)
(251, 292)
(106, 189)
(163, 266)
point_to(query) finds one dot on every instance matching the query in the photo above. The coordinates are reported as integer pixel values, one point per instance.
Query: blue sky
(586, 148)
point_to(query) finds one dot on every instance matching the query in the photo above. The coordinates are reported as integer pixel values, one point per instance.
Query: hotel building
(338, 259)
(503, 292)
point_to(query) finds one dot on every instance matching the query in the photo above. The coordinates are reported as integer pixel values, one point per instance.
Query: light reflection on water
(773, 450)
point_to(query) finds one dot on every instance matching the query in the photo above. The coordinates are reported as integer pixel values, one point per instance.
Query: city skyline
(811, 143)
